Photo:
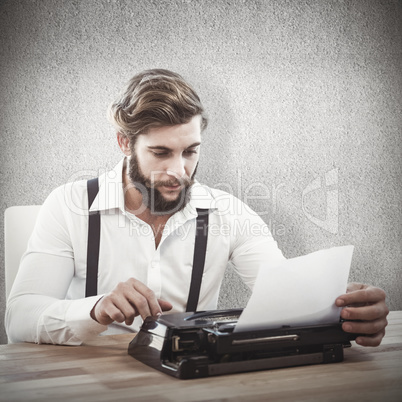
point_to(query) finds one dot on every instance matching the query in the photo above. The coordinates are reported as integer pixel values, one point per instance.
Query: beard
(152, 198)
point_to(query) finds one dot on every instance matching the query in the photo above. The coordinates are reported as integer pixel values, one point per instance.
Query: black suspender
(200, 249)
(91, 288)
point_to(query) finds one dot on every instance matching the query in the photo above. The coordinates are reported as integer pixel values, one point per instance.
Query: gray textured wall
(304, 101)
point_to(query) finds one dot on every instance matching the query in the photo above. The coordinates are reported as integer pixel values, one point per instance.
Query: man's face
(163, 164)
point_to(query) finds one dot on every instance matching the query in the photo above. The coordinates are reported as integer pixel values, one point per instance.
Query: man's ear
(124, 143)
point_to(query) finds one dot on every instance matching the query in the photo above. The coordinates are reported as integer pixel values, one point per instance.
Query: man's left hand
(366, 305)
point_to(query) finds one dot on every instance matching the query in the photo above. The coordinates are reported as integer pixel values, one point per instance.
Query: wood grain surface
(101, 370)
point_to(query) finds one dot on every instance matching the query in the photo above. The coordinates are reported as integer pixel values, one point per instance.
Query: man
(148, 206)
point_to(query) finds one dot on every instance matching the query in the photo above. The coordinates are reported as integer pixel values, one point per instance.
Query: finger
(352, 286)
(365, 313)
(103, 318)
(140, 304)
(127, 309)
(117, 304)
(165, 305)
(109, 313)
(115, 307)
(362, 327)
(148, 304)
(368, 295)
(370, 340)
(130, 320)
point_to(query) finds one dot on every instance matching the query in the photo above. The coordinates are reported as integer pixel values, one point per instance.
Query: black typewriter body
(203, 344)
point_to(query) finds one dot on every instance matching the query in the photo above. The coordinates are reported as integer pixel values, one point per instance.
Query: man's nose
(176, 168)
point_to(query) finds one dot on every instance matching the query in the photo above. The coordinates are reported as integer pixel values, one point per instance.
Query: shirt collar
(111, 193)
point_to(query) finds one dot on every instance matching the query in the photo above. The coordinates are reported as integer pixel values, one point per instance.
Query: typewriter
(203, 344)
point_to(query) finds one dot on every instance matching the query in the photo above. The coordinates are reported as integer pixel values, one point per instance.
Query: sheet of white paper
(298, 291)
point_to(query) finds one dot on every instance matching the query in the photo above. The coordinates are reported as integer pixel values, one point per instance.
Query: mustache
(186, 181)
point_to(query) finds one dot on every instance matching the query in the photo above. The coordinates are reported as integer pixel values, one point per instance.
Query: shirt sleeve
(36, 308)
(252, 244)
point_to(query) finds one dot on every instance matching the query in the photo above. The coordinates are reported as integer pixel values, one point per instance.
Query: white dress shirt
(47, 303)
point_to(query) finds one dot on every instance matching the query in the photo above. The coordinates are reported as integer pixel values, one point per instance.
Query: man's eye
(190, 151)
(160, 154)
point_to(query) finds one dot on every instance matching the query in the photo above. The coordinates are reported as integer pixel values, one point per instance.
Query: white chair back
(19, 222)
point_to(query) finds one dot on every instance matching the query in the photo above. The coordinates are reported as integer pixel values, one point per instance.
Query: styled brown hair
(155, 98)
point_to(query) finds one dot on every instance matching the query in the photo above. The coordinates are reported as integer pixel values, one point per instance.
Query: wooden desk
(103, 371)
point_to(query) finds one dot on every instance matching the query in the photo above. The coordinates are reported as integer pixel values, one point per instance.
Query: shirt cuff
(79, 320)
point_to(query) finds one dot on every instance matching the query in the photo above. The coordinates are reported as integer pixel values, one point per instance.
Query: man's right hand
(126, 301)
